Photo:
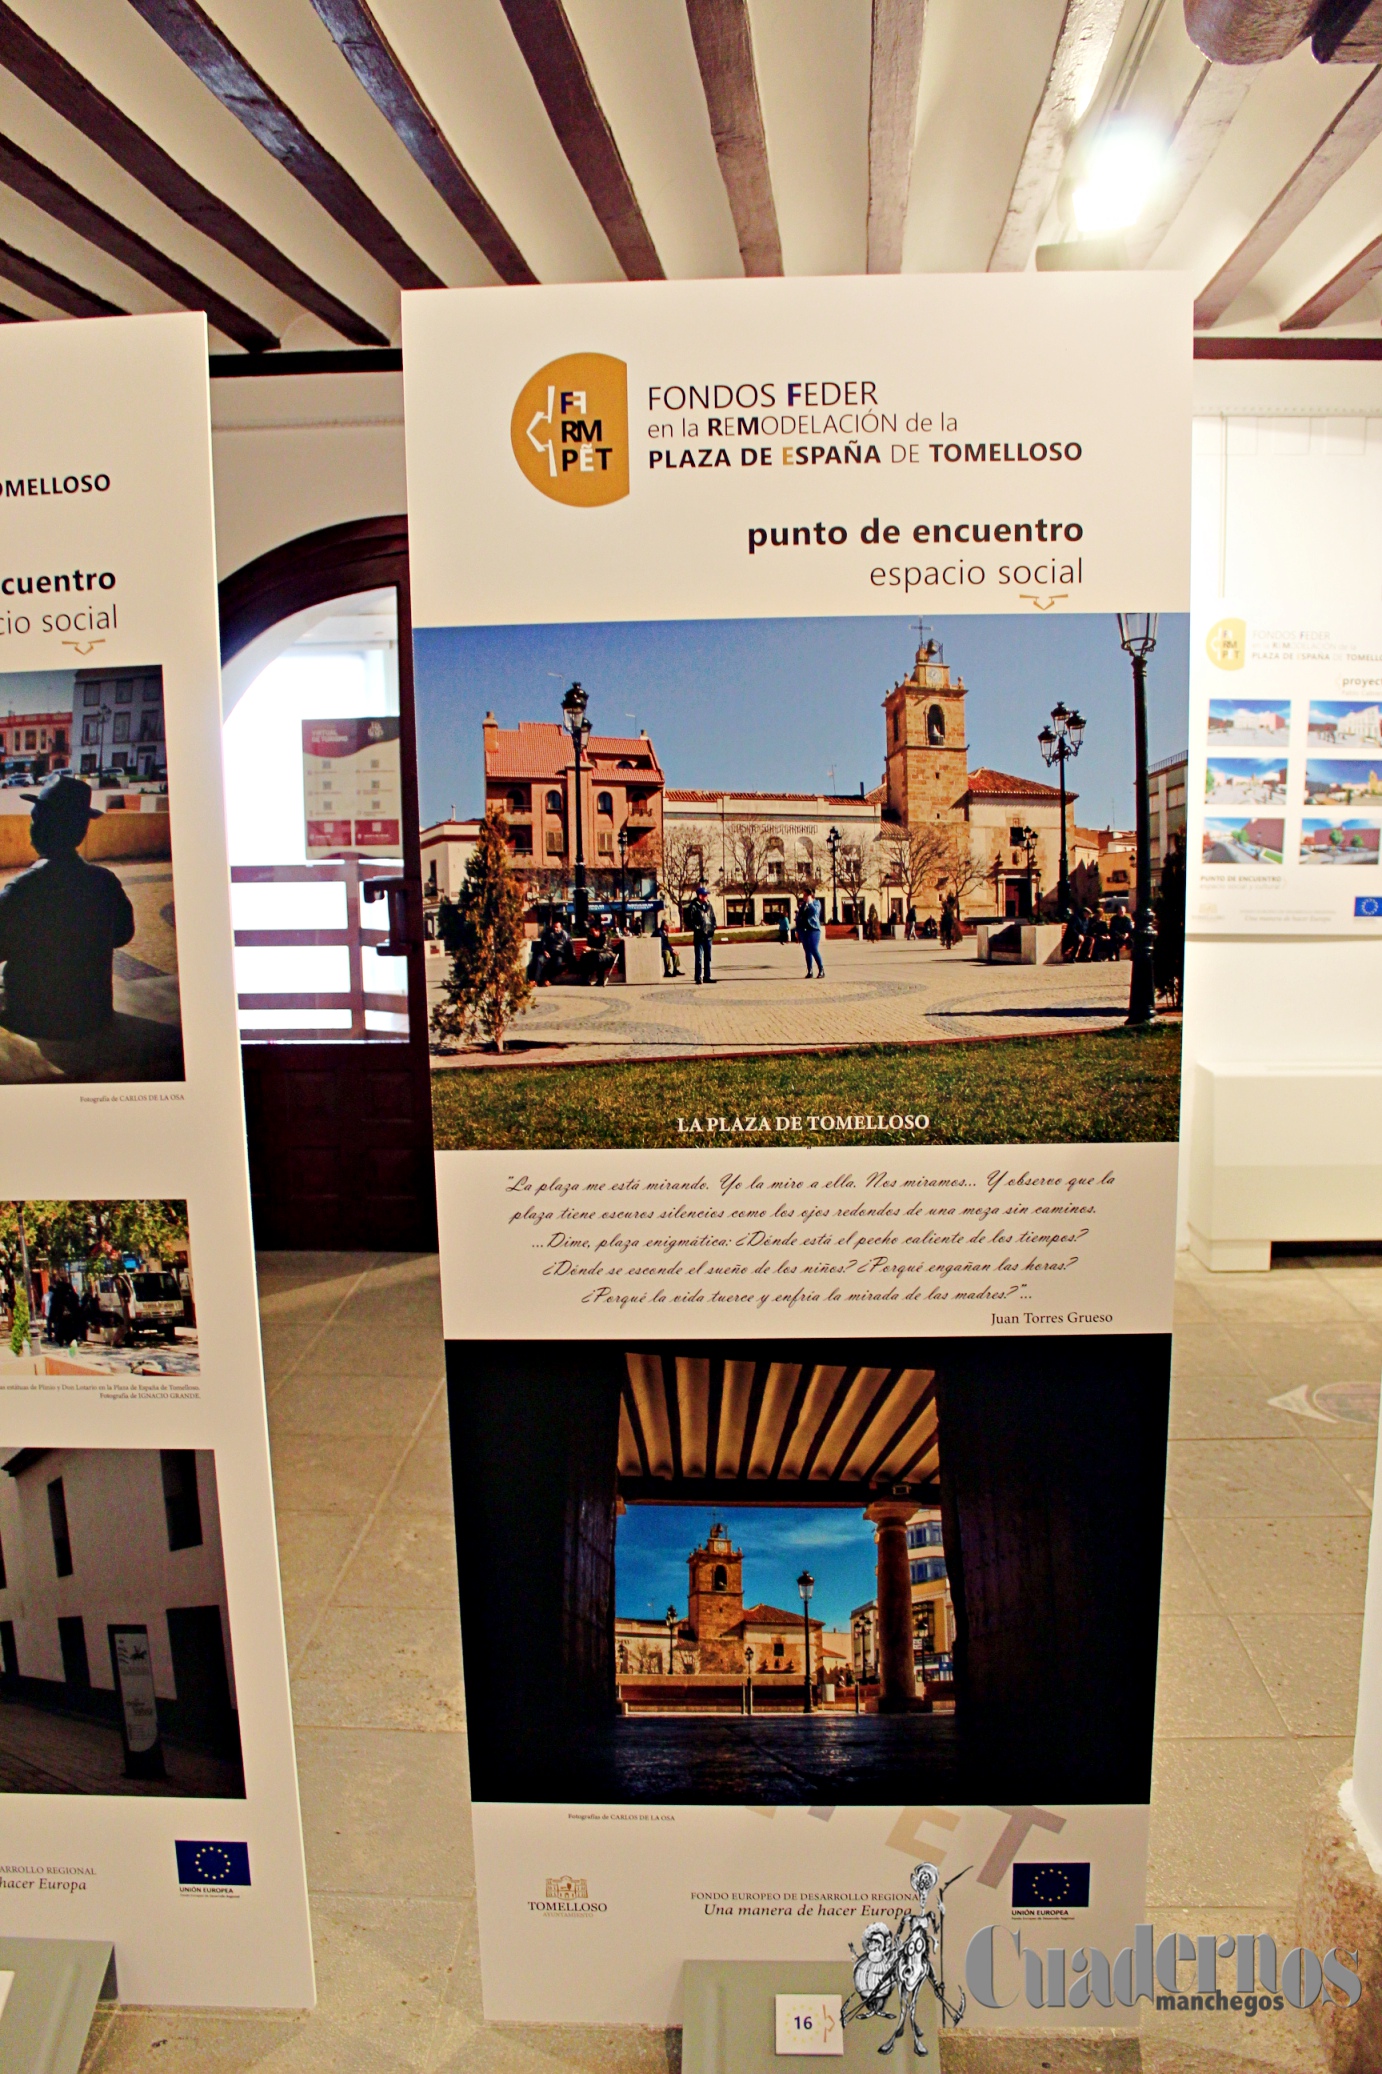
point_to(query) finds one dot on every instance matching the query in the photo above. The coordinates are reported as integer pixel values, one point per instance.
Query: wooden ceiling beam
(828, 1417)
(630, 1403)
(1087, 30)
(69, 94)
(722, 36)
(725, 1491)
(668, 1364)
(1248, 32)
(805, 1377)
(866, 1418)
(214, 60)
(1350, 280)
(1210, 106)
(553, 57)
(41, 186)
(52, 287)
(1356, 125)
(894, 84)
(714, 1409)
(928, 1446)
(751, 1417)
(377, 66)
(900, 1432)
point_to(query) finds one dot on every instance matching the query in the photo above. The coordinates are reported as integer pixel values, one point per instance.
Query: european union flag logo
(1367, 907)
(1050, 1886)
(216, 1865)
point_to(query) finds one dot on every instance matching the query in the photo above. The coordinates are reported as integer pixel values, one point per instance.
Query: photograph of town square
(1332, 781)
(619, 818)
(115, 1660)
(99, 1288)
(88, 939)
(1249, 723)
(1340, 840)
(809, 1571)
(1351, 725)
(1242, 839)
(1240, 781)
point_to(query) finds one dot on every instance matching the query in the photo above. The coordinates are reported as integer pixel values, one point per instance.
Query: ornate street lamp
(806, 1584)
(1137, 632)
(748, 1683)
(833, 841)
(623, 877)
(578, 727)
(1058, 743)
(673, 1622)
(1031, 848)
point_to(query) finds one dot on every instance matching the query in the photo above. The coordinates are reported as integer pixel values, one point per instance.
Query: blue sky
(795, 705)
(36, 691)
(1339, 709)
(779, 1542)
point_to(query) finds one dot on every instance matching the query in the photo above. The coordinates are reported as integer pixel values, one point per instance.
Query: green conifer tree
(483, 931)
(19, 1329)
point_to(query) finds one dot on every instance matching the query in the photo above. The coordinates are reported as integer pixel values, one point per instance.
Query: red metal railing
(354, 939)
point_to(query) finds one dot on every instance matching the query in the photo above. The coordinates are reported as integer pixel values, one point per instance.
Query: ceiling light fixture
(1121, 171)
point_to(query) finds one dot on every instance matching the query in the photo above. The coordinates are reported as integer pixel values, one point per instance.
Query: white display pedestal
(1283, 1152)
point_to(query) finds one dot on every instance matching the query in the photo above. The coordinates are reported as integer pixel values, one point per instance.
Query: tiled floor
(1268, 1514)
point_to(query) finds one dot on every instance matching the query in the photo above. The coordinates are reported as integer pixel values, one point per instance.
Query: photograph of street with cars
(903, 855)
(96, 1289)
(88, 940)
(116, 1674)
(786, 1586)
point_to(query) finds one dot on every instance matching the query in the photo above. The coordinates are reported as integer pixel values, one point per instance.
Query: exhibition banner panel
(832, 1266)
(1285, 775)
(146, 1754)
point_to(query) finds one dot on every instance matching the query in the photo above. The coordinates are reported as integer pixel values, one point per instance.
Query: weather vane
(904, 1961)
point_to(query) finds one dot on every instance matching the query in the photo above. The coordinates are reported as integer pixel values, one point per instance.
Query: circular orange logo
(570, 429)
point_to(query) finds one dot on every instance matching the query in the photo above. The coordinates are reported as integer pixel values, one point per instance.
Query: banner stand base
(729, 2017)
(49, 1988)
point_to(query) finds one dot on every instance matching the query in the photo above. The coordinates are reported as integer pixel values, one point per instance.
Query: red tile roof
(987, 784)
(821, 799)
(542, 749)
(773, 1617)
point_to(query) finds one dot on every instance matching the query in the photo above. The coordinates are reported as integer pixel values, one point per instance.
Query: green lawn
(1113, 1087)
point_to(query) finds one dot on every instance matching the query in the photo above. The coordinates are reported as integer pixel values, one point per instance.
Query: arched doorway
(326, 896)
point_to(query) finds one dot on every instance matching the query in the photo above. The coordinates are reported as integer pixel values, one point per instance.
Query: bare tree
(746, 857)
(855, 871)
(915, 857)
(682, 866)
(961, 870)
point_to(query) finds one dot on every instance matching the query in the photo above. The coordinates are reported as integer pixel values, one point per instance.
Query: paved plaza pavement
(139, 1357)
(42, 1752)
(873, 993)
(770, 1761)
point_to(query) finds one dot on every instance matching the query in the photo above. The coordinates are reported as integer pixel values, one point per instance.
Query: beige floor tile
(372, 1667)
(385, 1812)
(179, 2041)
(1271, 1566)
(1228, 2041)
(1232, 1405)
(284, 1347)
(1227, 1822)
(408, 1558)
(581, 2048)
(1207, 1685)
(1184, 1588)
(364, 1345)
(311, 1549)
(383, 1969)
(1346, 1350)
(313, 1474)
(1327, 1754)
(351, 1407)
(1310, 1668)
(1354, 1456)
(315, 1298)
(1262, 1479)
(424, 1483)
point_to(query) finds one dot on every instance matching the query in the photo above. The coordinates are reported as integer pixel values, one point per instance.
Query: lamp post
(578, 727)
(1030, 844)
(806, 1584)
(1058, 743)
(671, 1619)
(623, 877)
(748, 1682)
(833, 841)
(1137, 632)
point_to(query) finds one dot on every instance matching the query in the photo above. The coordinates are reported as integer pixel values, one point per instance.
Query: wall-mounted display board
(808, 1424)
(148, 1794)
(1285, 784)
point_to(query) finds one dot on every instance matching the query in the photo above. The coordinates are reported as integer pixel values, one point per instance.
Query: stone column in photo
(896, 1669)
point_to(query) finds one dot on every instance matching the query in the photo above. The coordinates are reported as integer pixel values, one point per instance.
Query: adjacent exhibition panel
(148, 1793)
(808, 1418)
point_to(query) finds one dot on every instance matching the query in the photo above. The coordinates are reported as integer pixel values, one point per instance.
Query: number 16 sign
(810, 2024)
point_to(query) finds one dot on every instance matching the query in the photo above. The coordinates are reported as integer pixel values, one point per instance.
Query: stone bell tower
(928, 759)
(715, 1601)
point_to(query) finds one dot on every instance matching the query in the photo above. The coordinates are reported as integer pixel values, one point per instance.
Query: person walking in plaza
(671, 964)
(911, 928)
(784, 930)
(701, 916)
(950, 922)
(809, 920)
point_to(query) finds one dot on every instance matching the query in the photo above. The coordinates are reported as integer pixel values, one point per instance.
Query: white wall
(293, 453)
(1287, 506)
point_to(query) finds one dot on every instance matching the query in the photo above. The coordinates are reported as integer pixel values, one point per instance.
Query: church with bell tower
(927, 769)
(715, 1601)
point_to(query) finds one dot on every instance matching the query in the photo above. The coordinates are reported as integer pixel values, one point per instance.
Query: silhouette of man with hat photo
(61, 923)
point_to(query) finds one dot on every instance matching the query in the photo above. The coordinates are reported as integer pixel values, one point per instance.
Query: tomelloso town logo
(568, 1896)
(570, 429)
(1146, 1971)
